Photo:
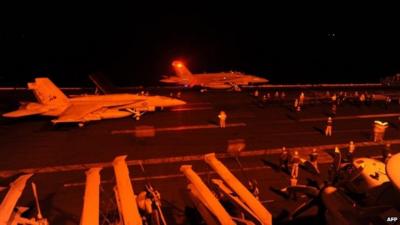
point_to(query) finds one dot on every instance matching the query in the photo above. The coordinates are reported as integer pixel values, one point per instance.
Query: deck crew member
(222, 118)
(313, 159)
(350, 152)
(328, 129)
(301, 98)
(284, 159)
(295, 165)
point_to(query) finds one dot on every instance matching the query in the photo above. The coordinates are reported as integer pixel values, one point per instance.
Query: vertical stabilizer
(47, 93)
(181, 70)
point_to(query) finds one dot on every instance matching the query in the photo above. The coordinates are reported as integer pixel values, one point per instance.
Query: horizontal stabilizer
(170, 80)
(218, 85)
(24, 112)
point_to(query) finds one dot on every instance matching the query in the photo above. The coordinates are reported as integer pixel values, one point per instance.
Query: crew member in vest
(328, 129)
(222, 118)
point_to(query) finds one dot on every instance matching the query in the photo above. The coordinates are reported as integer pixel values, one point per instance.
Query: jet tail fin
(102, 83)
(181, 70)
(47, 93)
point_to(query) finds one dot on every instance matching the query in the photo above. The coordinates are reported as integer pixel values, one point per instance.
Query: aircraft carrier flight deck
(161, 142)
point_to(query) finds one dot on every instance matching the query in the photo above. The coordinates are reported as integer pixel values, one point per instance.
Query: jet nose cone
(178, 102)
(260, 79)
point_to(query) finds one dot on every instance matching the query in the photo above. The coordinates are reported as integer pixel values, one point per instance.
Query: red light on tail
(177, 64)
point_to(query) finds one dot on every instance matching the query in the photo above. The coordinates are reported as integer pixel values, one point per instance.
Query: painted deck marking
(304, 151)
(169, 176)
(179, 128)
(366, 116)
(190, 109)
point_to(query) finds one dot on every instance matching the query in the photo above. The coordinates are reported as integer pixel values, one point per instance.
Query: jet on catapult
(221, 80)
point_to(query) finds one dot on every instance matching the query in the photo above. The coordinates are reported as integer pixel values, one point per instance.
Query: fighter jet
(221, 80)
(51, 101)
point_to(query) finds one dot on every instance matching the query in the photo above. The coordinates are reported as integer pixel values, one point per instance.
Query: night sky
(136, 45)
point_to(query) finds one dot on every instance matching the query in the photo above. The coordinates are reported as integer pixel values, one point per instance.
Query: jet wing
(167, 79)
(24, 112)
(80, 112)
(77, 112)
(137, 104)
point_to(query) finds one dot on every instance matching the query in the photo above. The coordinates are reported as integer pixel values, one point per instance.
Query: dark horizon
(137, 48)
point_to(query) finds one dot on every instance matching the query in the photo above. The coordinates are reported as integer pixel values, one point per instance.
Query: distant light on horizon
(332, 35)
